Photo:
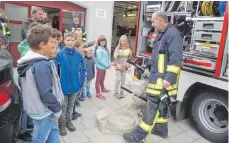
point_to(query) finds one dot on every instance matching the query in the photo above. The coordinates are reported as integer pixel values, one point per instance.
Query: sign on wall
(101, 13)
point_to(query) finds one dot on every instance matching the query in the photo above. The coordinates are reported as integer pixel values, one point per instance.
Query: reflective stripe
(173, 69)
(161, 120)
(84, 33)
(161, 63)
(173, 92)
(151, 91)
(144, 126)
(84, 39)
(159, 81)
(3, 29)
(154, 86)
(172, 87)
(66, 30)
(8, 32)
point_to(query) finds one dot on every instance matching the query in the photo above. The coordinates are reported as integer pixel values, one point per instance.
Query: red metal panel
(222, 43)
(137, 27)
(61, 20)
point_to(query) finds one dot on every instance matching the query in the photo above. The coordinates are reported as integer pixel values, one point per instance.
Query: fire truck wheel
(209, 112)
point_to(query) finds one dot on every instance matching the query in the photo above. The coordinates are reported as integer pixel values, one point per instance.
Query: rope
(207, 8)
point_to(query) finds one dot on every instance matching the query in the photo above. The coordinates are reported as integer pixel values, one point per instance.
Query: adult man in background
(37, 16)
(163, 81)
(76, 26)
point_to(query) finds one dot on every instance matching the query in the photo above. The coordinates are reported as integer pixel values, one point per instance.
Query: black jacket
(24, 28)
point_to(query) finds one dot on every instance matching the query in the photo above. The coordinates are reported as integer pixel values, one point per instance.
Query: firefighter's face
(39, 15)
(2, 14)
(69, 41)
(45, 15)
(76, 21)
(156, 22)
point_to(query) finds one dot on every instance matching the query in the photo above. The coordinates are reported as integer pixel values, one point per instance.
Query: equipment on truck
(203, 86)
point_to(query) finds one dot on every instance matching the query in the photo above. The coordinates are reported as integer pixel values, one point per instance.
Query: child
(90, 65)
(26, 121)
(41, 97)
(58, 36)
(103, 63)
(121, 55)
(79, 36)
(23, 47)
(69, 61)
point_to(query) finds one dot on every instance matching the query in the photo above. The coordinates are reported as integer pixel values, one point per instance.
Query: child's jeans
(46, 131)
(87, 89)
(25, 120)
(82, 90)
(67, 108)
(121, 77)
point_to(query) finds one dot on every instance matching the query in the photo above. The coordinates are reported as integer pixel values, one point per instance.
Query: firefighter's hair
(44, 11)
(162, 15)
(101, 38)
(69, 34)
(33, 24)
(75, 15)
(37, 35)
(123, 37)
(2, 10)
(35, 9)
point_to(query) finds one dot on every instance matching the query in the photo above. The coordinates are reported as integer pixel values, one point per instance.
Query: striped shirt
(121, 56)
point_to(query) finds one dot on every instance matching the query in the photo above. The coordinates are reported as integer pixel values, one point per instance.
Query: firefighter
(3, 27)
(76, 26)
(163, 80)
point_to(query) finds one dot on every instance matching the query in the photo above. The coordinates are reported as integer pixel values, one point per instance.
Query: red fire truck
(203, 86)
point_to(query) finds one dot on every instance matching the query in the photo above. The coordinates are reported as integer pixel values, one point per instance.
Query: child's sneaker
(62, 129)
(76, 115)
(70, 126)
(100, 96)
(89, 96)
(81, 98)
(105, 90)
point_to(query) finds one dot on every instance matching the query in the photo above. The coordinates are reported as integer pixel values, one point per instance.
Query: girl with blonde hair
(121, 55)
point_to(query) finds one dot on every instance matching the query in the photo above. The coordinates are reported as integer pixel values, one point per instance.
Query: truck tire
(209, 113)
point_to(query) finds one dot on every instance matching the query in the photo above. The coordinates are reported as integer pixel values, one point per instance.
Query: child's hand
(55, 118)
(94, 42)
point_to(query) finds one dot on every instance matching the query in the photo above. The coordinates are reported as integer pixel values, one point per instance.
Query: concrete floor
(88, 132)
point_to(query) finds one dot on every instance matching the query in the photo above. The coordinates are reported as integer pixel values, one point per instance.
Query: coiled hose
(207, 8)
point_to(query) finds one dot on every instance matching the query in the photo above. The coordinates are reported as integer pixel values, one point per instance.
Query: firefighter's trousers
(151, 117)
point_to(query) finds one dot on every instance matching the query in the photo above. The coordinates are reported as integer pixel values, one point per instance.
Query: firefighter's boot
(138, 135)
(161, 130)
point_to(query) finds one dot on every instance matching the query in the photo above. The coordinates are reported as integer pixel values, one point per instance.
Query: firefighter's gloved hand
(164, 96)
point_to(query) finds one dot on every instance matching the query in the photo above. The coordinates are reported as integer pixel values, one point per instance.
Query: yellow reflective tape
(172, 87)
(151, 91)
(8, 32)
(66, 30)
(3, 29)
(84, 39)
(161, 66)
(159, 81)
(144, 126)
(206, 45)
(173, 69)
(154, 86)
(84, 33)
(161, 120)
(173, 92)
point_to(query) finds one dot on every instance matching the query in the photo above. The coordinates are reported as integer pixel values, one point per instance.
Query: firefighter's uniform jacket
(4, 28)
(73, 27)
(165, 65)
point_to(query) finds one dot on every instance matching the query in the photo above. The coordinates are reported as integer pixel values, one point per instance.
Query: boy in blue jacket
(42, 99)
(69, 61)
